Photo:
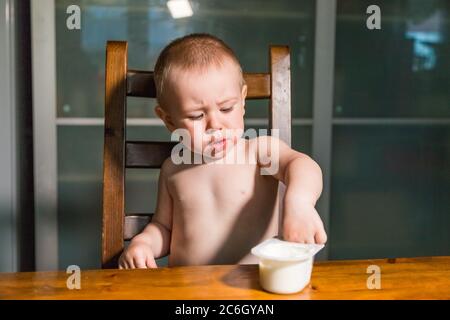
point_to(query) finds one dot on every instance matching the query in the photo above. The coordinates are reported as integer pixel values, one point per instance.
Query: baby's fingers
(310, 240)
(300, 237)
(321, 237)
(129, 263)
(123, 264)
(139, 262)
(150, 262)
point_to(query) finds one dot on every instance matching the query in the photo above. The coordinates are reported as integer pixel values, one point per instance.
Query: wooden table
(406, 278)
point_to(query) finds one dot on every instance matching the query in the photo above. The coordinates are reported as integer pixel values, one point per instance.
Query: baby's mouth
(218, 142)
(218, 146)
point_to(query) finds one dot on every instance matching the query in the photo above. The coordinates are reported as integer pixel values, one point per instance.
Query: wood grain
(280, 86)
(258, 85)
(280, 107)
(114, 152)
(147, 154)
(406, 278)
(141, 84)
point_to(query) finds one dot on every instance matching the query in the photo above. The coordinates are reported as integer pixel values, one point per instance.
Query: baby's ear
(159, 112)
(165, 117)
(244, 96)
(244, 93)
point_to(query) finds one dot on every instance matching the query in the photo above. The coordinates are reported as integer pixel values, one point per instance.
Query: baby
(213, 211)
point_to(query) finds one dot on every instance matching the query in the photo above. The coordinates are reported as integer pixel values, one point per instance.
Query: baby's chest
(218, 184)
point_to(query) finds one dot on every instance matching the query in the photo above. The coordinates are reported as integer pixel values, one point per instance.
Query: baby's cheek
(197, 134)
(236, 134)
(239, 132)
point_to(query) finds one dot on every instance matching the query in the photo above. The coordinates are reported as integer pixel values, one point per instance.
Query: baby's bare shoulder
(259, 140)
(168, 168)
(260, 144)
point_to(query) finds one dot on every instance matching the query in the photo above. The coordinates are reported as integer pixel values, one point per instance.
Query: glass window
(390, 180)
(249, 27)
(390, 191)
(401, 70)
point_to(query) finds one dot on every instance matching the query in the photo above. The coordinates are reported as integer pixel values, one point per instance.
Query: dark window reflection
(401, 70)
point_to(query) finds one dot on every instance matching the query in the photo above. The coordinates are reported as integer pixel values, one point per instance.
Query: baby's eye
(196, 117)
(227, 109)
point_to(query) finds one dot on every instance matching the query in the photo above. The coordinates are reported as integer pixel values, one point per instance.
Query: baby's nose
(214, 124)
(213, 132)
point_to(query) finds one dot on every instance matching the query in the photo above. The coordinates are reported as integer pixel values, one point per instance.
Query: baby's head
(200, 88)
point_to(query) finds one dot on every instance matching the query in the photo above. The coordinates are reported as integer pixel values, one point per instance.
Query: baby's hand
(302, 223)
(137, 255)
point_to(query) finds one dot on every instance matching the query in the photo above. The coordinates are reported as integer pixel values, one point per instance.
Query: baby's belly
(223, 229)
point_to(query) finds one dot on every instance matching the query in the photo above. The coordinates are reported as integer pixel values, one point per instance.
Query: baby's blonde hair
(192, 52)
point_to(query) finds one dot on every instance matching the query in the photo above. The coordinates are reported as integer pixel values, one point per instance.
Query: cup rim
(309, 250)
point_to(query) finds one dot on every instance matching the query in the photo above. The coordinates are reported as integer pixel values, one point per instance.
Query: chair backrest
(120, 154)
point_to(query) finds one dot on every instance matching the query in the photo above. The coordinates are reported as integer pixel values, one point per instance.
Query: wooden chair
(120, 154)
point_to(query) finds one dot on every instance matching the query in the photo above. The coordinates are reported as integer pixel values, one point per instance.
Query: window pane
(401, 70)
(390, 189)
(79, 196)
(302, 139)
(248, 26)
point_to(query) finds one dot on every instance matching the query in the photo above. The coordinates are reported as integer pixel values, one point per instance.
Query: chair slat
(146, 154)
(280, 106)
(141, 84)
(114, 155)
(135, 223)
(280, 103)
(258, 85)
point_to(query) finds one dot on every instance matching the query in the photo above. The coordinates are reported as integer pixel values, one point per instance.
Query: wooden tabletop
(405, 278)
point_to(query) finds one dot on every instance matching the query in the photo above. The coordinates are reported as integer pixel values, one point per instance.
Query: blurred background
(371, 106)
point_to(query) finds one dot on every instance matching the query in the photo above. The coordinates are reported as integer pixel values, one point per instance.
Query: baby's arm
(154, 241)
(303, 179)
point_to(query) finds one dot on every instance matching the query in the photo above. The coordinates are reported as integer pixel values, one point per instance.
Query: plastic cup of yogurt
(285, 267)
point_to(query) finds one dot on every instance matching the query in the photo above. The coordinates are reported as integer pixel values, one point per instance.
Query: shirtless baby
(214, 211)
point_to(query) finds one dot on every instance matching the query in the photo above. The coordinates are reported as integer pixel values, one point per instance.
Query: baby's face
(209, 104)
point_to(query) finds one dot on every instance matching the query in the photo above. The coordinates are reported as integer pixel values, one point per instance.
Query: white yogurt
(285, 267)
